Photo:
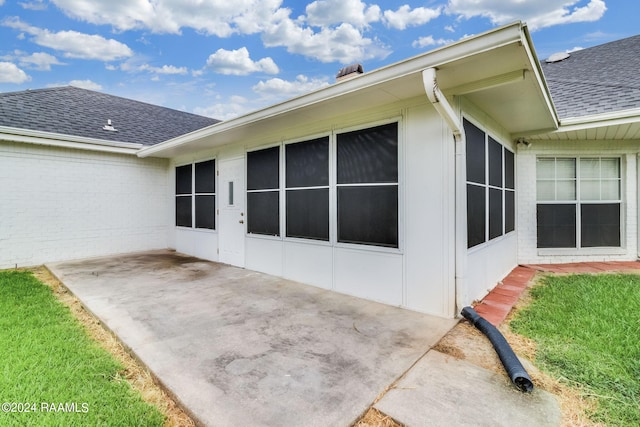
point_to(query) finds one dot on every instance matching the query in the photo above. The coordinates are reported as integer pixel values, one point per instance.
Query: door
(231, 230)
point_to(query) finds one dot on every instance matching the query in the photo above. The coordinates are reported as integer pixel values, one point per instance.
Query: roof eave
(28, 136)
(498, 37)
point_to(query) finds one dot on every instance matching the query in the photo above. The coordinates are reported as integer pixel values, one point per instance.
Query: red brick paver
(498, 303)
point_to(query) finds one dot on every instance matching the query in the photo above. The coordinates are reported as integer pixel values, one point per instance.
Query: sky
(225, 58)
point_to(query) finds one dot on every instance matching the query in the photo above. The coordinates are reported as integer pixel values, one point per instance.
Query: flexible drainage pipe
(519, 376)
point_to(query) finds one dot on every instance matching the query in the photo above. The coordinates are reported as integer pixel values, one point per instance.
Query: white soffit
(617, 125)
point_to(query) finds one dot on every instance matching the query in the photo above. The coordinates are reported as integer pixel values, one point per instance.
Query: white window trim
(193, 196)
(333, 186)
(579, 250)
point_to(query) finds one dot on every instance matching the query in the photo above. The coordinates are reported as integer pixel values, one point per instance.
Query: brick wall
(526, 197)
(58, 204)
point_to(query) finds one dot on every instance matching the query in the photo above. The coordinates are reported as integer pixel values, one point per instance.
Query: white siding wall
(526, 201)
(59, 204)
(420, 274)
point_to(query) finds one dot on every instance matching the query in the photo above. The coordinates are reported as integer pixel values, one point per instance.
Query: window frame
(333, 210)
(277, 190)
(577, 201)
(398, 248)
(307, 188)
(193, 195)
(486, 183)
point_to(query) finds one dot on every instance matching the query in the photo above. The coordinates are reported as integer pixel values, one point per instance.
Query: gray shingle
(73, 111)
(596, 80)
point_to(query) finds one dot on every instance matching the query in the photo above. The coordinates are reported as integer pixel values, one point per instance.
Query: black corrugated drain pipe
(519, 376)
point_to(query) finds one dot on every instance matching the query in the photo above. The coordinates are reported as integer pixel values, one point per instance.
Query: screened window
(579, 202)
(263, 191)
(490, 187)
(196, 195)
(367, 186)
(307, 189)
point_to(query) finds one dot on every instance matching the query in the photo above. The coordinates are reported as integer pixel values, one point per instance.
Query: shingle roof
(596, 80)
(79, 112)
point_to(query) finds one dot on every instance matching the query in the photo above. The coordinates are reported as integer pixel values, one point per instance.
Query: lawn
(587, 330)
(52, 372)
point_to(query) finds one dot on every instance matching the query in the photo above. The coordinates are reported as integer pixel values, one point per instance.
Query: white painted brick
(526, 196)
(59, 204)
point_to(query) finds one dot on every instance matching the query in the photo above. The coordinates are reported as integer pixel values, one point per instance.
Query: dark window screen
(307, 163)
(509, 211)
(600, 225)
(476, 215)
(495, 163)
(495, 213)
(509, 170)
(263, 169)
(476, 162)
(556, 226)
(183, 211)
(206, 177)
(183, 179)
(368, 156)
(368, 215)
(206, 212)
(308, 213)
(263, 213)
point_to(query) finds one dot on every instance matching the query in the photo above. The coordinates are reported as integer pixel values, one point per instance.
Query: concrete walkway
(240, 348)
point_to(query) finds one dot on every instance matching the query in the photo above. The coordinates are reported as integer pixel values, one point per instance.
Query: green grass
(587, 328)
(46, 358)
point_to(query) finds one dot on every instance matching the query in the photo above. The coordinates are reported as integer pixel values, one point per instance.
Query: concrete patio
(236, 347)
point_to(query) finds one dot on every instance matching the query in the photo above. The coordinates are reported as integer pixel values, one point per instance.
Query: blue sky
(223, 58)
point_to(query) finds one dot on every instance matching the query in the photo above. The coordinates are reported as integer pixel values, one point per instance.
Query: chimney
(349, 72)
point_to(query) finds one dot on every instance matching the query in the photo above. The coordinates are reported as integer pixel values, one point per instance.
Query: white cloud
(85, 84)
(430, 41)
(234, 107)
(221, 18)
(10, 73)
(343, 44)
(278, 88)
(238, 63)
(72, 43)
(330, 12)
(165, 69)
(406, 17)
(40, 61)
(33, 5)
(538, 14)
(575, 49)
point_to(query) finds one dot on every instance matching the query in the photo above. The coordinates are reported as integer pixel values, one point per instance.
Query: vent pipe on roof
(109, 127)
(349, 72)
(448, 114)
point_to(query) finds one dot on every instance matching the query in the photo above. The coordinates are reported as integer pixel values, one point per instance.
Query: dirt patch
(134, 373)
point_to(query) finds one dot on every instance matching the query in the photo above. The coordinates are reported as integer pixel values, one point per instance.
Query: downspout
(449, 115)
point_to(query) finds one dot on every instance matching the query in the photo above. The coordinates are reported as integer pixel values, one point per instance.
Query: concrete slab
(238, 347)
(441, 390)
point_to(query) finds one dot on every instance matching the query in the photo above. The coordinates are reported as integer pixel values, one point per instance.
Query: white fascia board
(470, 46)
(28, 136)
(539, 75)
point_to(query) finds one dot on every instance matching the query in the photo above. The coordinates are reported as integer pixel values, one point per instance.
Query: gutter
(442, 106)
(51, 139)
